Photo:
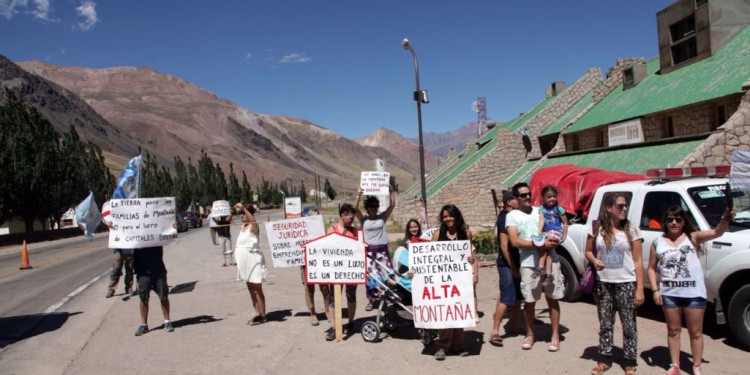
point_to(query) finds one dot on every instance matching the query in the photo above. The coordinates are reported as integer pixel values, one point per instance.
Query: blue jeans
(507, 286)
(686, 302)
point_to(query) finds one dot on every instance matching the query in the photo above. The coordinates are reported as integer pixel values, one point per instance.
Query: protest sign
(286, 237)
(220, 208)
(144, 222)
(442, 287)
(292, 207)
(375, 183)
(335, 259)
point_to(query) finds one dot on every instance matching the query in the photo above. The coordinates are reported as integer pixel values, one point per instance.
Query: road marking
(72, 294)
(54, 259)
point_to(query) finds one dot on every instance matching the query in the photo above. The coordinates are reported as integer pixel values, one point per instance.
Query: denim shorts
(509, 286)
(686, 302)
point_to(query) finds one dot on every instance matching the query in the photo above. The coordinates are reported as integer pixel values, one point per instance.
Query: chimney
(632, 75)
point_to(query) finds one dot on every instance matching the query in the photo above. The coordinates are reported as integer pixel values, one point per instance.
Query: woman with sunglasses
(681, 288)
(374, 228)
(619, 280)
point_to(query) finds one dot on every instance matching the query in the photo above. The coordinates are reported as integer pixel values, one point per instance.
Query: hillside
(396, 144)
(170, 117)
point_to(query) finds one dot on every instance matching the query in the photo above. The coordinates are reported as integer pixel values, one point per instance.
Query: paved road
(94, 335)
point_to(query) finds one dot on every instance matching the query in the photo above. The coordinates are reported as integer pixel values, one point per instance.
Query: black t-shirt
(148, 261)
(512, 251)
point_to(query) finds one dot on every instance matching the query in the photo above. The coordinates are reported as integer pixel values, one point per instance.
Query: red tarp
(576, 185)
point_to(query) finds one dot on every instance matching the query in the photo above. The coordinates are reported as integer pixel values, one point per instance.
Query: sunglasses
(524, 195)
(676, 219)
(622, 206)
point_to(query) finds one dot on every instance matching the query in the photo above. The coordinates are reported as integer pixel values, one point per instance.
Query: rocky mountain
(170, 116)
(64, 108)
(440, 143)
(396, 144)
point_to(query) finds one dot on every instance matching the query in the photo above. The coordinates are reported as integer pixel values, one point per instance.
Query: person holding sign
(453, 228)
(373, 226)
(345, 227)
(222, 225)
(251, 265)
(521, 224)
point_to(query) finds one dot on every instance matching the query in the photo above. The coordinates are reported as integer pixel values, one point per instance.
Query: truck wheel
(738, 314)
(572, 289)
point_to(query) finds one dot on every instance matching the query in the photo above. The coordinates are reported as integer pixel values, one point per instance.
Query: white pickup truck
(725, 260)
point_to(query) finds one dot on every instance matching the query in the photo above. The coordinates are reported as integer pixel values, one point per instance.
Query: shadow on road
(278, 315)
(183, 288)
(200, 319)
(18, 328)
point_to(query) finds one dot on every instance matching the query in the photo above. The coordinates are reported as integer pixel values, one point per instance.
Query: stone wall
(733, 135)
(559, 106)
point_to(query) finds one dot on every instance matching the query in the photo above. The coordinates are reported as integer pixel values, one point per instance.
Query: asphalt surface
(93, 335)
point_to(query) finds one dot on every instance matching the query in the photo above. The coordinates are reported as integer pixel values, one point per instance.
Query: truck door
(654, 208)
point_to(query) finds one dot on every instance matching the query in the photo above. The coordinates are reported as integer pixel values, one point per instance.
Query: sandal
(314, 323)
(630, 370)
(600, 368)
(257, 320)
(330, 334)
(496, 340)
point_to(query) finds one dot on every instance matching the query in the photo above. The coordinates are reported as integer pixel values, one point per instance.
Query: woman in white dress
(251, 265)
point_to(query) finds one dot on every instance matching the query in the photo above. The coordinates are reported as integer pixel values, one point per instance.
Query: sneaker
(697, 370)
(554, 345)
(110, 293)
(673, 369)
(369, 306)
(440, 355)
(528, 342)
(142, 329)
(168, 327)
(330, 334)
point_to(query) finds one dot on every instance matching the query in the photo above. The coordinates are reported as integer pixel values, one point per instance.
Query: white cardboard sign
(286, 237)
(442, 287)
(220, 208)
(375, 183)
(335, 259)
(143, 222)
(292, 207)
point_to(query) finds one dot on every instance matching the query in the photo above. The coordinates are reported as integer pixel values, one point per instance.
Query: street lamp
(420, 96)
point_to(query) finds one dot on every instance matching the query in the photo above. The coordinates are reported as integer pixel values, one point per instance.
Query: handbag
(589, 278)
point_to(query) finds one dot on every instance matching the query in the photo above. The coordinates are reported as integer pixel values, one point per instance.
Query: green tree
(196, 188)
(302, 192)
(329, 190)
(247, 191)
(181, 189)
(220, 184)
(234, 192)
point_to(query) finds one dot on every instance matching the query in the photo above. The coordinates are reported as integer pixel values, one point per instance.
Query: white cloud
(87, 11)
(63, 51)
(294, 58)
(248, 56)
(8, 7)
(42, 10)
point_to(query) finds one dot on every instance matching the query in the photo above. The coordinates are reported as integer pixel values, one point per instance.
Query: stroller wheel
(370, 331)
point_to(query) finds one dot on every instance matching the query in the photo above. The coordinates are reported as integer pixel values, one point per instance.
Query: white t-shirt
(374, 229)
(617, 258)
(528, 225)
(211, 222)
(680, 272)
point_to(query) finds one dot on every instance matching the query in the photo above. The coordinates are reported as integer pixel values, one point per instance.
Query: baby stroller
(391, 293)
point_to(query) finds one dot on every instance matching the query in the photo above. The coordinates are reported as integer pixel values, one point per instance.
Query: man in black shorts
(151, 274)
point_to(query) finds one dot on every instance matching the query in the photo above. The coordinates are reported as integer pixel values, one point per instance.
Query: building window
(721, 115)
(684, 51)
(574, 143)
(700, 3)
(627, 77)
(683, 28)
(669, 127)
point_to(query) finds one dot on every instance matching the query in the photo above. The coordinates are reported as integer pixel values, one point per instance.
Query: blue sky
(340, 64)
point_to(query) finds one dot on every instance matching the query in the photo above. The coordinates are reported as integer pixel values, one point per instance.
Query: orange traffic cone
(25, 265)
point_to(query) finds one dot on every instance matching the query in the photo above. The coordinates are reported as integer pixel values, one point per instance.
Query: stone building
(689, 106)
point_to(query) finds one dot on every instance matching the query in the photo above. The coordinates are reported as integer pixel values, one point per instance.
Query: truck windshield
(712, 202)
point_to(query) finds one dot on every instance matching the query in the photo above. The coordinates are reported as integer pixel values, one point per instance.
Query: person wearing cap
(507, 268)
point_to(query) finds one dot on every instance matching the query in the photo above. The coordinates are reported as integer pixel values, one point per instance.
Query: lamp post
(420, 96)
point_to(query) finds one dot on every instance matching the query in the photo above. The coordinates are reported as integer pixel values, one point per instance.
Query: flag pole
(140, 172)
